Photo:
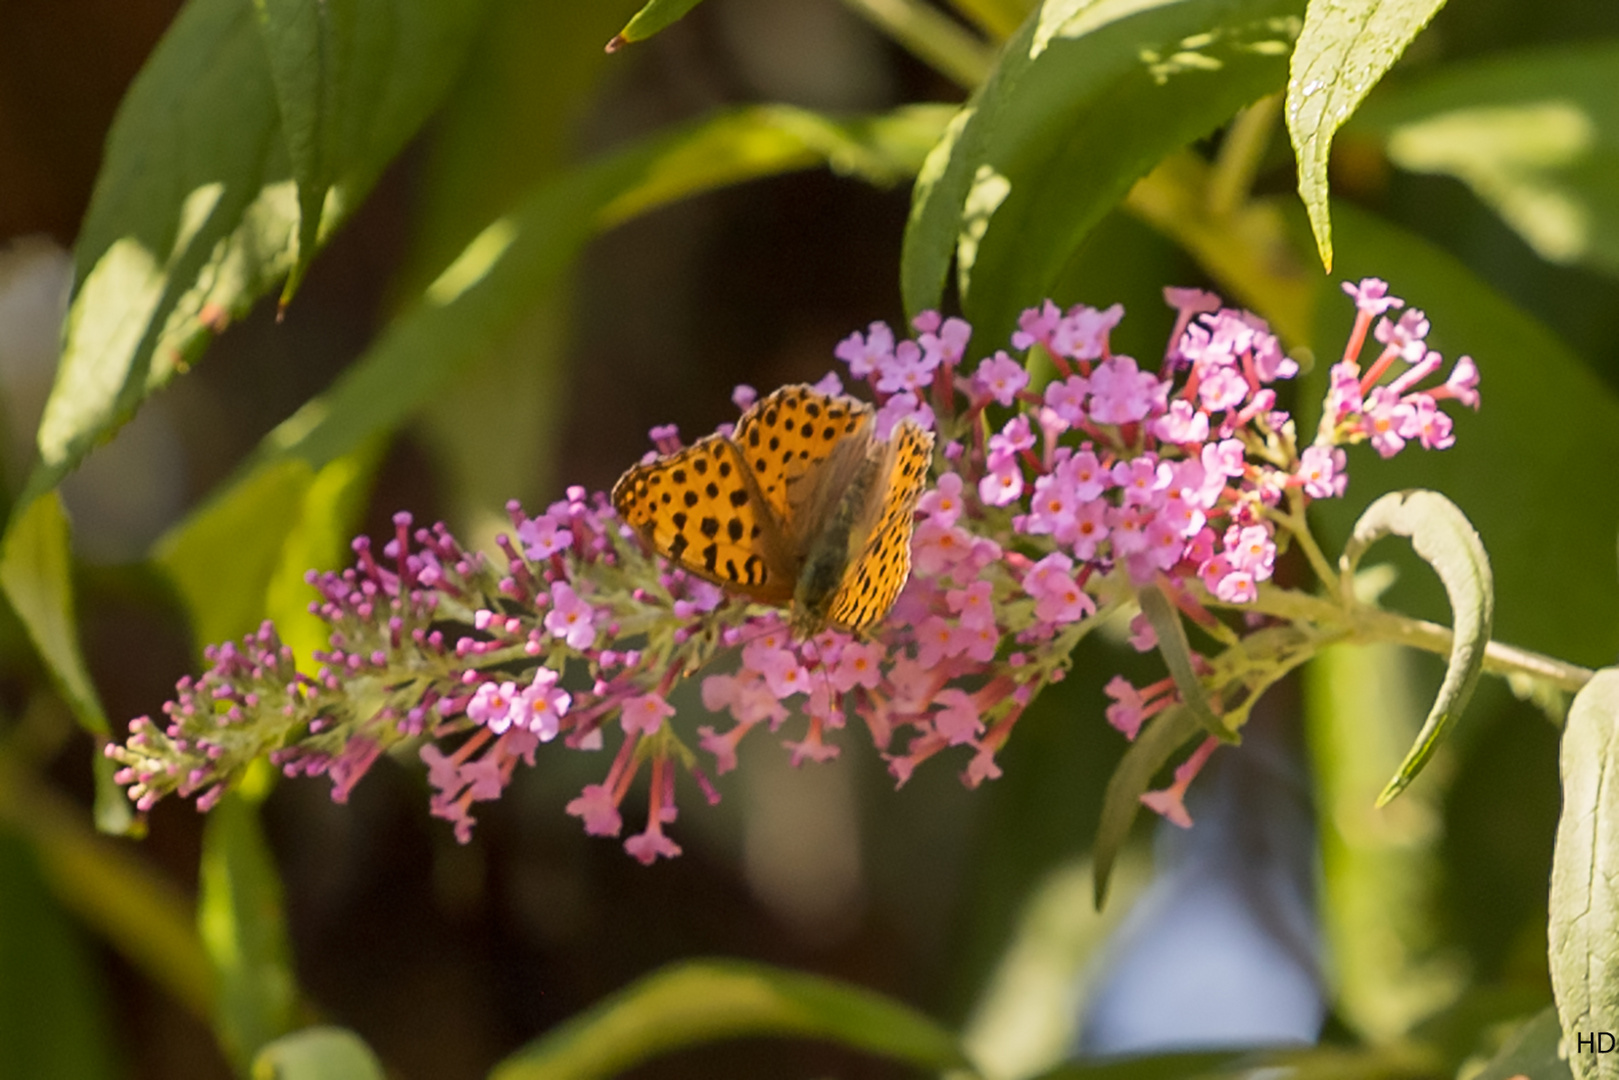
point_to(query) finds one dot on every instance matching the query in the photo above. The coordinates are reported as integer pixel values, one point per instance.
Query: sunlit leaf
(196, 210)
(1085, 100)
(1442, 536)
(353, 80)
(1534, 134)
(317, 1053)
(242, 924)
(1584, 930)
(1343, 50)
(697, 1002)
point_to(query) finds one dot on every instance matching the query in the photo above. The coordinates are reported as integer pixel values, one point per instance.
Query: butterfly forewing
(788, 435)
(873, 581)
(700, 508)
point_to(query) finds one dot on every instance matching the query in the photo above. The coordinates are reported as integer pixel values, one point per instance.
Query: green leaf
(1155, 744)
(36, 571)
(1534, 134)
(240, 918)
(196, 213)
(320, 539)
(353, 81)
(1086, 98)
(695, 1002)
(1343, 50)
(485, 295)
(1441, 534)
(222, 558)
(1530, 1051)
(51, 1022)
(1177, 654)
(1527, 468)
(1584, 930)
(1381, 879)
(241, 557)
(317, 1053)
(656, 15)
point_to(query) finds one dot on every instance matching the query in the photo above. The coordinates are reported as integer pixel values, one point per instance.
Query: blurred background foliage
(530, 252)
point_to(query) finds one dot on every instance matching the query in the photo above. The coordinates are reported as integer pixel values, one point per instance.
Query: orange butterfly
(802, 507)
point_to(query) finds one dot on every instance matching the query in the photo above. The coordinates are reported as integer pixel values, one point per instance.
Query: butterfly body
(801, 507)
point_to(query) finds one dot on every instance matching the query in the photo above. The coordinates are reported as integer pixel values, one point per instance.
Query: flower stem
(1367, 625)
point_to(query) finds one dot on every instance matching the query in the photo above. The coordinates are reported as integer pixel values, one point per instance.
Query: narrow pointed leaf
(318, 1053)
(242, 924)
(353, 80)
(36, 571)
(1584, 929)
(696, 1002)
(649, 20)
(1343, 50)
(1085, 100)
(1177, 654)
(306, 43)
(1441, 534)
(1154, 746)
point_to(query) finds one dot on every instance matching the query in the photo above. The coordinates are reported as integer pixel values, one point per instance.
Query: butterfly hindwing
(873, 580)
(700, 508)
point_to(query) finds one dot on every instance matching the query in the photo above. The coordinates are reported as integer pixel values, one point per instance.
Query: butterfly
(801, 507)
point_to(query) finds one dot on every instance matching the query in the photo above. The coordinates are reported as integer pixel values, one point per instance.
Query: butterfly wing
(701, 509)
(787, 437)
(874, 580)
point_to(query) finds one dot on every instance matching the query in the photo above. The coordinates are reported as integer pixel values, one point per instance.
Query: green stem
(1366, 625)
(1295, 523)
(934, 37)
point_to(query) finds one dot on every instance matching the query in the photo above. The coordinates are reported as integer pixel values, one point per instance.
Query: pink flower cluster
(1055, 500)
